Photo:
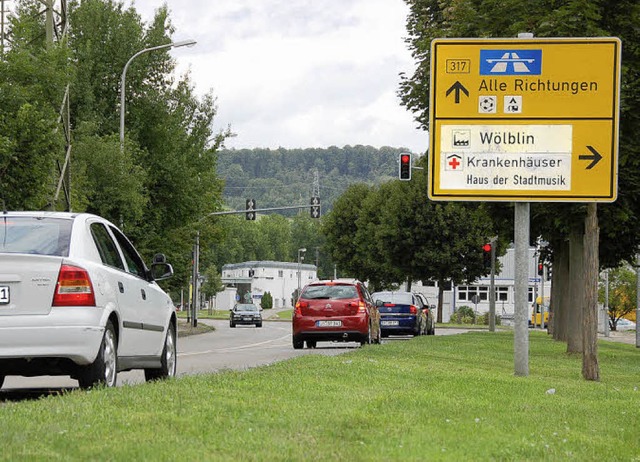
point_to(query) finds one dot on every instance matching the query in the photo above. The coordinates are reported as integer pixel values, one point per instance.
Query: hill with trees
(285, 177)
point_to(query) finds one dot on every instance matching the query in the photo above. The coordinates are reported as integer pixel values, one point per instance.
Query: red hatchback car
(339, 311)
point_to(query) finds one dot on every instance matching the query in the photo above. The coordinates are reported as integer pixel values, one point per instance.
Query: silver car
(76, 299)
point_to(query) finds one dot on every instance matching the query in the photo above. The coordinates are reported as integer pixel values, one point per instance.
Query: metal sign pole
(521, 285)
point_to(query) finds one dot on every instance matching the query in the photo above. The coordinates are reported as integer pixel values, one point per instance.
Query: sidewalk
(628, 337)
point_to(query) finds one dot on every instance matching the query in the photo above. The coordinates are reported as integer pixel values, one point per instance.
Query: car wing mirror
(160, 271)
(379, 303)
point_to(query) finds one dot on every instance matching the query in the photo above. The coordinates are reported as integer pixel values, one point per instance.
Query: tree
(267, 301)
(212, 282)
(622, 293)
(31, 91)
(429, 19)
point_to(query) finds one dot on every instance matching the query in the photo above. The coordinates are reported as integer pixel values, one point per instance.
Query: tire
(1, 380)
(167, 361)
(367, 339)
(311, 343)
(259, 324)
(104, 370)
(297, 344)
(231, 324)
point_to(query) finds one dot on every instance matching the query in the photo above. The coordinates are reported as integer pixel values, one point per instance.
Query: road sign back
(524, 119)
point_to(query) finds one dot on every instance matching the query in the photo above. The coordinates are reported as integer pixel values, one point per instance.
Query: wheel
(311, 343)
(297, 344)
(104, 370)
(1, 380)
(259, 324)
(231, 324)
(167, 361)
(367, 339)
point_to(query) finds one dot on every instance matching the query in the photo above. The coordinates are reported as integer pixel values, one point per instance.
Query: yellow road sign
(524, 119)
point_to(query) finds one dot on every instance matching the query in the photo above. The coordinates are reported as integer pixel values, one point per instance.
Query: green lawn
(431, 398)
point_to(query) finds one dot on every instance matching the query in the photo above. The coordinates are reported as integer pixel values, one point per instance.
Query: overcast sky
(299, 73)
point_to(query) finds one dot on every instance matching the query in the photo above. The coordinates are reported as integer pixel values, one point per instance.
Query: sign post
(524, 120)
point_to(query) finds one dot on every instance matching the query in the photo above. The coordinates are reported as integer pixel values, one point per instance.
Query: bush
(484, 319)
(267, 301)
(463, 315)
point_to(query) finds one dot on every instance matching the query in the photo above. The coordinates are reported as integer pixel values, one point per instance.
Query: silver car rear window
(35, 235)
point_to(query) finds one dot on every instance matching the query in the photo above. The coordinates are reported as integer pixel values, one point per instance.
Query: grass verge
(431, 398)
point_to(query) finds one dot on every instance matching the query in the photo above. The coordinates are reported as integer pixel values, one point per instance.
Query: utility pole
(3, 18)
(195, 299)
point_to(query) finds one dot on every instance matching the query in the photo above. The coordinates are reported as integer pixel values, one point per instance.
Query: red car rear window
(329, 292)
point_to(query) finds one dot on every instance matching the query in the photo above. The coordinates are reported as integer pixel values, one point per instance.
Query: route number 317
(458, 66)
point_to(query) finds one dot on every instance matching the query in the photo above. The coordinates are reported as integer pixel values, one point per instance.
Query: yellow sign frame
(508, 98)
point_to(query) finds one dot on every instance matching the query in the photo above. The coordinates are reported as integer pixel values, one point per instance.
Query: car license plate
(329, 323)
(389, 323)
(4, 295)
(246, 318)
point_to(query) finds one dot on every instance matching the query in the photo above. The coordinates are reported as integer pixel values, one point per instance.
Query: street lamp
(300, 258)
(183, 43)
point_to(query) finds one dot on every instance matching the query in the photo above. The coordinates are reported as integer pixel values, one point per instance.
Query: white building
(476, 295)
(252, 279)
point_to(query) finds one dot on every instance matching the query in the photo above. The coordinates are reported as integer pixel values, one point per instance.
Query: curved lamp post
(182, 43)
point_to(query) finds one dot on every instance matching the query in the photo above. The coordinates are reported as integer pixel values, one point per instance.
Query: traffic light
(405, 166)
(486, 255)
(251, 206)
(540, 269)
(315, 207)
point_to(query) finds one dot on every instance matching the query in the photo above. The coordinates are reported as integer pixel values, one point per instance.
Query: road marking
(241, 347)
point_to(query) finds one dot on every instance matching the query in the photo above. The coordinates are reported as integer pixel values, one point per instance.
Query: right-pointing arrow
(594, 157)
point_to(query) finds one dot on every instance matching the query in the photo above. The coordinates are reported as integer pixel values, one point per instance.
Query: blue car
(400, 313)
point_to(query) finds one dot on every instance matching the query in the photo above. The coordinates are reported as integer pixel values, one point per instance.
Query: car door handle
(121, 287)
(144, 294)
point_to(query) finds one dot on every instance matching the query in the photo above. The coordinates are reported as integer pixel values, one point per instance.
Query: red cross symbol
(454, 163)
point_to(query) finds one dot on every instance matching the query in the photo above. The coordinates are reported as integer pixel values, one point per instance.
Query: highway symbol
(510, 62)
(457, 87)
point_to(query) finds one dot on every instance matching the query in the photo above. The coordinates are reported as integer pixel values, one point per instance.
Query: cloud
(301, 73)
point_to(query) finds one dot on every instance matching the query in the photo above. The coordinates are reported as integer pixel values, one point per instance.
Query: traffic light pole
(492, 287)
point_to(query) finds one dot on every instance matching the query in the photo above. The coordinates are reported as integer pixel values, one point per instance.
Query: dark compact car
(430, 312)
(245, 313)
(400, 313)
(337, 310)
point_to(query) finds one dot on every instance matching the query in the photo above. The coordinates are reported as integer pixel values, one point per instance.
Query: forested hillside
(285, 177)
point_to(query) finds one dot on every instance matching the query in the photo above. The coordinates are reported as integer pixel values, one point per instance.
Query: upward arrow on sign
(457, 87)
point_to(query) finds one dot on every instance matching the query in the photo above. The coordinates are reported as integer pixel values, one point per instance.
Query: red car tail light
(413, 309)
(73, 288)
(360, 305)
(301, 305)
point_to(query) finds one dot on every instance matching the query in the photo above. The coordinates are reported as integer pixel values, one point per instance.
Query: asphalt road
(225, 348)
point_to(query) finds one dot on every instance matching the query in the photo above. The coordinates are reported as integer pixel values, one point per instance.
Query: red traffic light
(486, 247)
(405, 167)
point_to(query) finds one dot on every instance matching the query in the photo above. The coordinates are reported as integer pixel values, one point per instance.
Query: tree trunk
(575, 305)
(590, 370)
(560, 295)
